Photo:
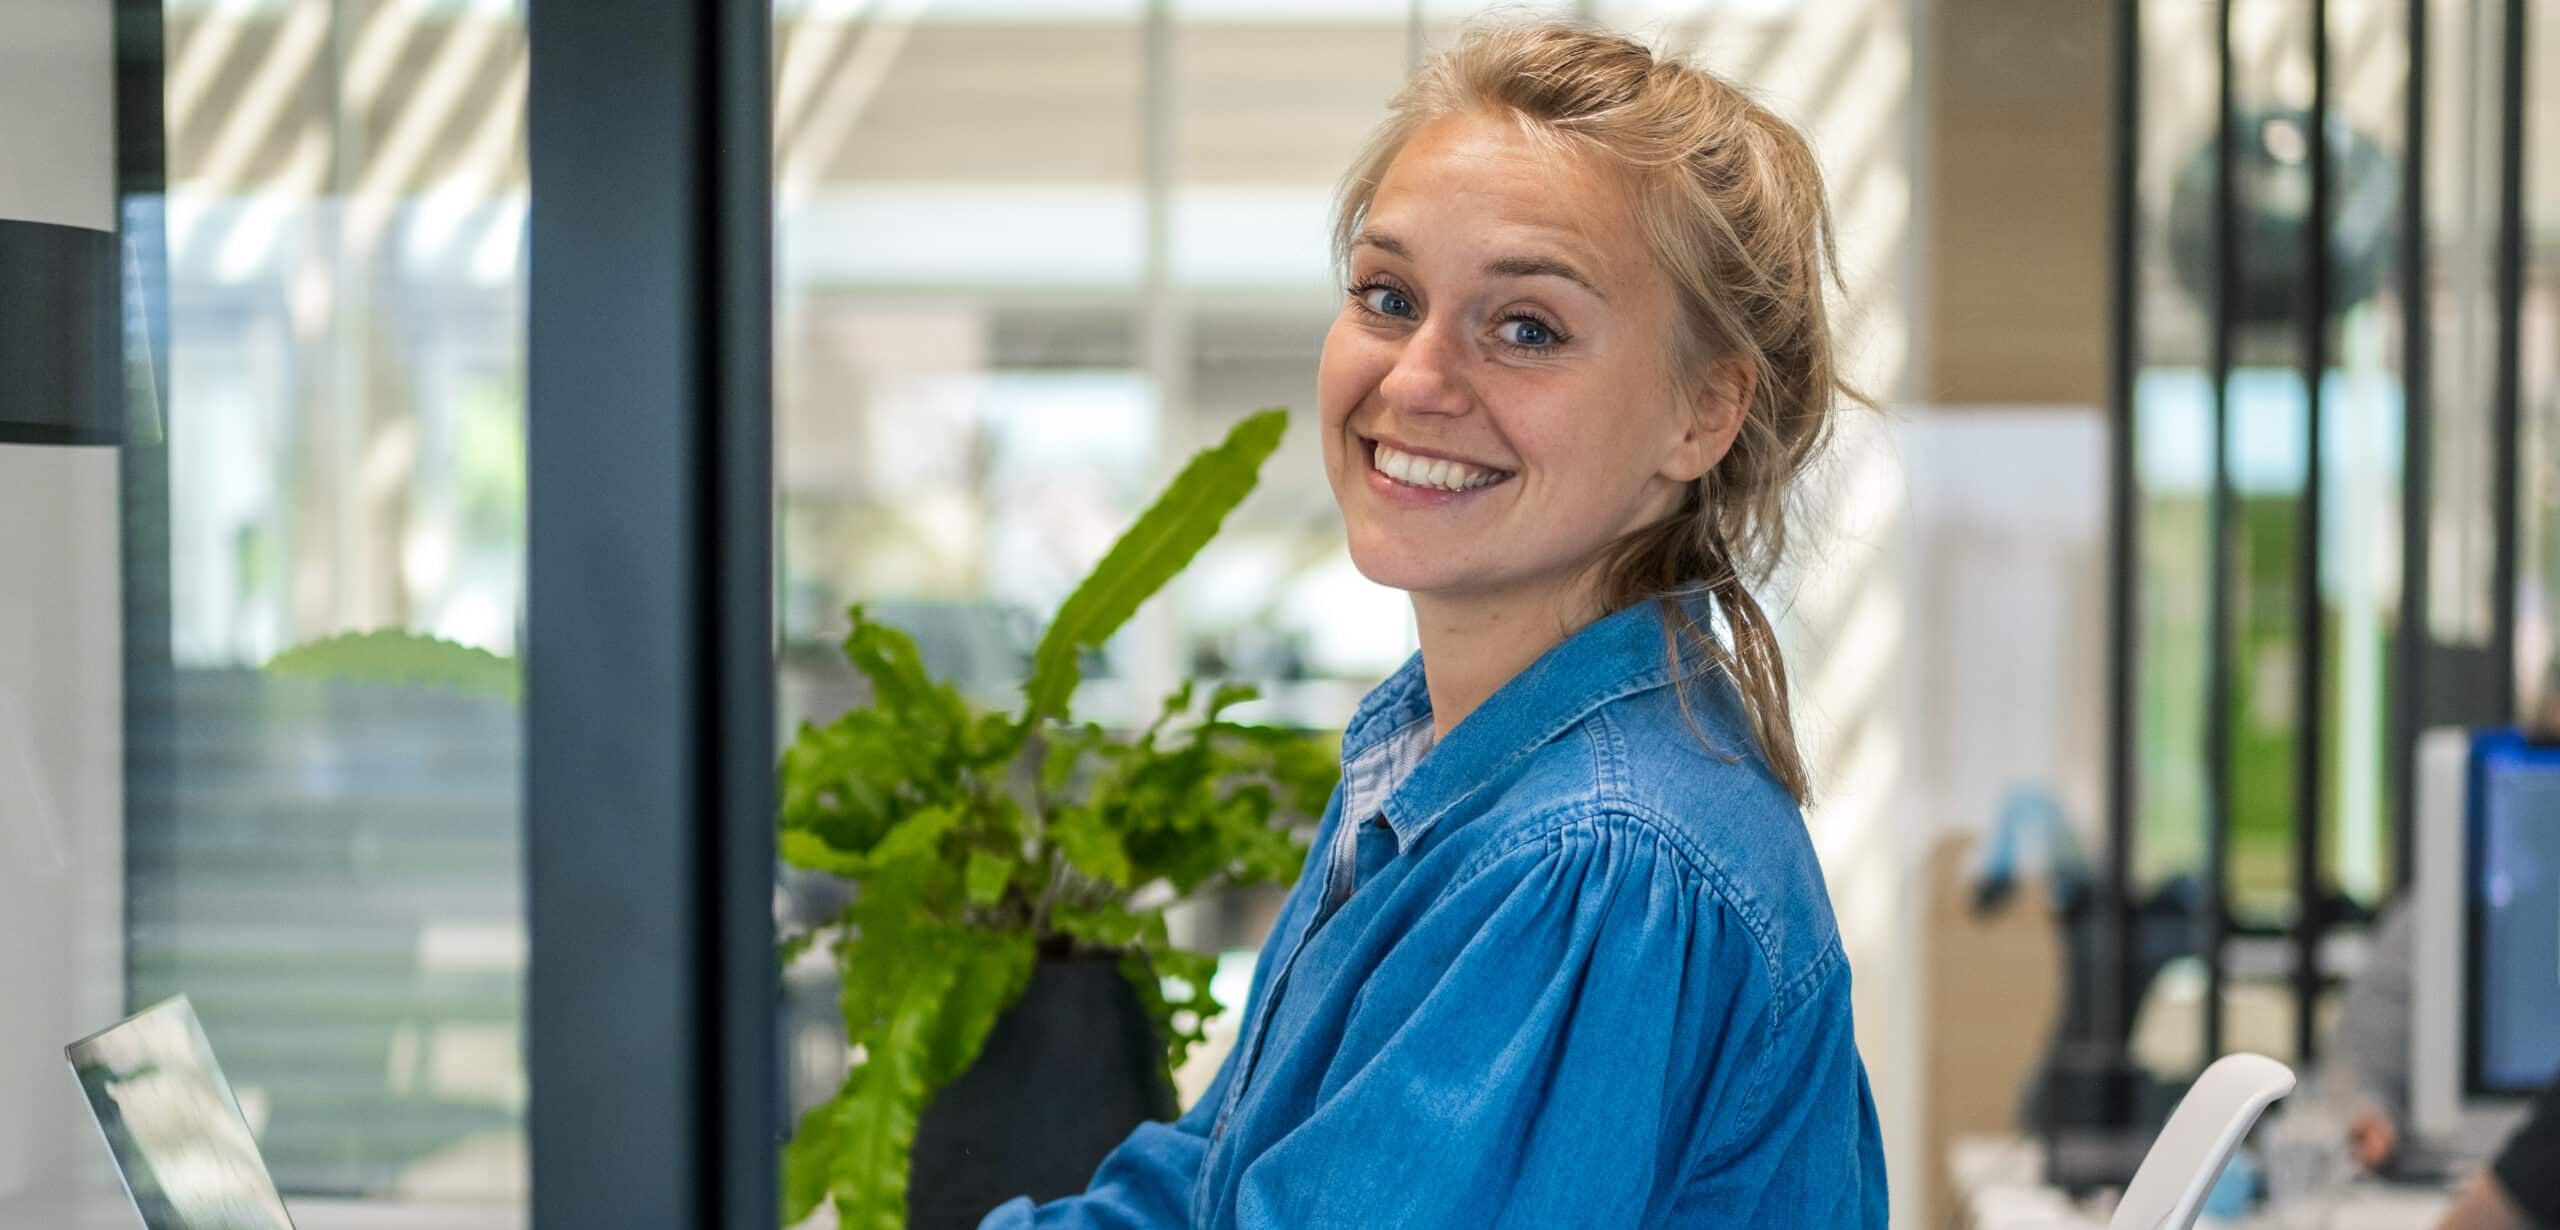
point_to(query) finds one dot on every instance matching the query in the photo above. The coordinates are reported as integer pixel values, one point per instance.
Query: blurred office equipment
(2486, 1030)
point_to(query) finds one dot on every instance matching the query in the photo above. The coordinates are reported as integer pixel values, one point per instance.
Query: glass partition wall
(2332, 385)
(409, 804)
(328, 861)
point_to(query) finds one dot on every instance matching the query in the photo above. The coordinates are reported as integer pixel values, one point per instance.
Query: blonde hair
(1730, 201)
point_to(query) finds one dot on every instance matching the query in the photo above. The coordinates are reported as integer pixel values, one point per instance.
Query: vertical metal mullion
(2417, 452)
(2310, 617)
(744, 1078)
(2114, 1015)
(142, 476)
(649, 666)
(2507, 409)
(2218, 531)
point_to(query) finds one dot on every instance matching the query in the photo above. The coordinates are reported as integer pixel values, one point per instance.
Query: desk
(1999, 1186)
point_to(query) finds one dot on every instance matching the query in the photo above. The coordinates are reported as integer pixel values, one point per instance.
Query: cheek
(1340, 382)
(1335, 395)
(1585, 458)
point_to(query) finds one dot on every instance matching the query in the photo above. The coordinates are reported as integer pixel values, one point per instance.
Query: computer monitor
(2486, 983)
(2512, 1028)
(176, 1131)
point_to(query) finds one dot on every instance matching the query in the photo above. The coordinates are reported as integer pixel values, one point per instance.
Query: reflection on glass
(175, 1129)
(332, 870)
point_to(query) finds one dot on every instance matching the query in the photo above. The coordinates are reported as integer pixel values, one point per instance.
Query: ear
(1716, 411)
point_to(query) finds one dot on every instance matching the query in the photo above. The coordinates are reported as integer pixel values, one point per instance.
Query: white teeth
(1433, 472)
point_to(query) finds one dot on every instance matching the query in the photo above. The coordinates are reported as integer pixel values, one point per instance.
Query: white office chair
(2169, 1189)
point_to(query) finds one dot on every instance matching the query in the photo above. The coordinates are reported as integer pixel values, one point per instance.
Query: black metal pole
(2114, 1016)
(2506, 437)
(743, 1084)
(2311, 623)
(2218, 532)
(2417, 453)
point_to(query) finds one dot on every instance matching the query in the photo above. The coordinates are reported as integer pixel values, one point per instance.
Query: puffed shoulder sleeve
(1580, 1031)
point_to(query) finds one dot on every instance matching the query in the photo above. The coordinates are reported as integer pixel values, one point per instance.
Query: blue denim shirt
(1569, 967)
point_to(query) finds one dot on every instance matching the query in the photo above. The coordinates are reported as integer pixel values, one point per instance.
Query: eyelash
(1359, 293)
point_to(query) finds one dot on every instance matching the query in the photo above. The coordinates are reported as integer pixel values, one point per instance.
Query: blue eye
(1386, 301)
(1531, 333)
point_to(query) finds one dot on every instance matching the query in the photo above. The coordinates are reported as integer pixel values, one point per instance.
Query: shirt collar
(1391, 765)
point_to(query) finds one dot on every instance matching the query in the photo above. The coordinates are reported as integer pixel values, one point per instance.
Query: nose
(1428, 376)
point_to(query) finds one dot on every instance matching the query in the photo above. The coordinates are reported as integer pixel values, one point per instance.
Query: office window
(330, 869)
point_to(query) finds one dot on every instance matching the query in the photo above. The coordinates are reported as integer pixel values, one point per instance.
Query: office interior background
(1027, 255)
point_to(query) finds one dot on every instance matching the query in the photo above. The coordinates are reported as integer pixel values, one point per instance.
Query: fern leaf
(1163, 540)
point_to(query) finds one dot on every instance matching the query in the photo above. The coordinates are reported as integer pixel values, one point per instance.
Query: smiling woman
(1566, 958)
(1628, 232)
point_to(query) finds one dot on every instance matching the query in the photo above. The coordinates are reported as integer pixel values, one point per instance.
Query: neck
(1473, 644)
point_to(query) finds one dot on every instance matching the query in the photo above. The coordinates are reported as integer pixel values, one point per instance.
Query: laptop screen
(173, 1125)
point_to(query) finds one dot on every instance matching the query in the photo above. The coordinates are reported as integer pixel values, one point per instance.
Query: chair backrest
(2169, 1190)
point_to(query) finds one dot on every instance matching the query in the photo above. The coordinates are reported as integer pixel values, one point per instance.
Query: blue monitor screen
(2515, 894)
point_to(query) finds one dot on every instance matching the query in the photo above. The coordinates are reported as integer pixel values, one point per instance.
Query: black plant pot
(1068, 1072)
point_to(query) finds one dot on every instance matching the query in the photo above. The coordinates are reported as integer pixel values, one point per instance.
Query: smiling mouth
(1430, 473)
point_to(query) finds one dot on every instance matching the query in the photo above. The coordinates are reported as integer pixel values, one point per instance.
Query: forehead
(1476, 181)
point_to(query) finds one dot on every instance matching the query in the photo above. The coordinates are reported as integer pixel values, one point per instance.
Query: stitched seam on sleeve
(1608, 752)
(1712, 875)
(1694, 864)
(1548, 825)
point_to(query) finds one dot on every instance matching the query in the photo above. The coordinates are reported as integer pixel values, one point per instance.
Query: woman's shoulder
(1686, 796)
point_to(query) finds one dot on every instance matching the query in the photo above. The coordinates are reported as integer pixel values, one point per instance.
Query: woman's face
(1497, 396)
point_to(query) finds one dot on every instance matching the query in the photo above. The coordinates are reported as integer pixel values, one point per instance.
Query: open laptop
(175, 1129)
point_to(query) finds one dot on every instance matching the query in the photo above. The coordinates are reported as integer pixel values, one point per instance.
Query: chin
(1409, 566)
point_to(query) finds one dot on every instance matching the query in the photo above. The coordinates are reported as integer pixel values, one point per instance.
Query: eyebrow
(1506, 266)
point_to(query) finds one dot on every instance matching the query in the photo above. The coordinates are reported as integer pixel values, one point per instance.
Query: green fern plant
(981, 841)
